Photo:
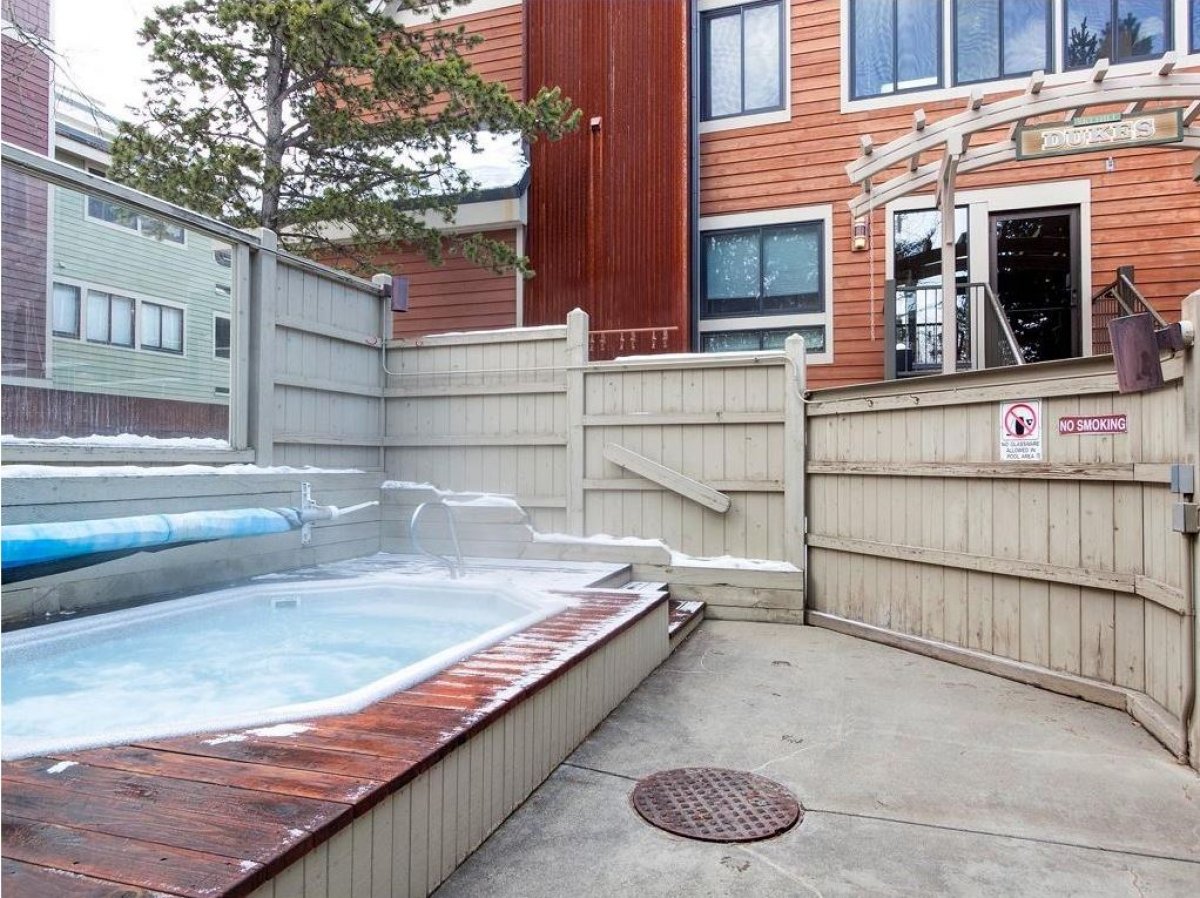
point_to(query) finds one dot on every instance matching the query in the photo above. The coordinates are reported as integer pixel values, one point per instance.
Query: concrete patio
(918, 778)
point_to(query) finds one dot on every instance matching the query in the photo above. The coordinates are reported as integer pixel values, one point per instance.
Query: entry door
(1035, 273)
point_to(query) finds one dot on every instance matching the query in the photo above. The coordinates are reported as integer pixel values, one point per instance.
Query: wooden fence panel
(1068, 564)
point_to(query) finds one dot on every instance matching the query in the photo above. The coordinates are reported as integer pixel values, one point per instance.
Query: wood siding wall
(523, 413)
(917, 527)
(1145, 213)
(24, 208)
(46, 414)
(608, 219)
(457, 295)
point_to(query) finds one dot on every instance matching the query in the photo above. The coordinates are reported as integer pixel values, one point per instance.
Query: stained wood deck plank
(258, 776)
(147, 865)
(30, 879)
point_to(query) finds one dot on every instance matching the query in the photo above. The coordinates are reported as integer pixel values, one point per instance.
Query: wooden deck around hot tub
(224, 814)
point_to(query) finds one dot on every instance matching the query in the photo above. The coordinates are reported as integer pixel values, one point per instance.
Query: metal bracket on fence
(1183, 479)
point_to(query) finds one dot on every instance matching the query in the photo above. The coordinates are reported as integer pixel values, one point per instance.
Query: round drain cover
(716, 805)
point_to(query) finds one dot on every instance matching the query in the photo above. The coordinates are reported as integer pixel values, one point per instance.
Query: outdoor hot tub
(250, 656)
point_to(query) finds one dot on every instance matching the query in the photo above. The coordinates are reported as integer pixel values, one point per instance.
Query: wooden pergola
(954, 140)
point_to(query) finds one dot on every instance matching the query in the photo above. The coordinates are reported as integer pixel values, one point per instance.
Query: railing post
(577, 359)
(795, 520)
(260, 399)
(889, 330)
(1191, 455)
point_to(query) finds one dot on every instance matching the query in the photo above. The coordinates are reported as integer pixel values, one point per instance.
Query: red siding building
(704, 204)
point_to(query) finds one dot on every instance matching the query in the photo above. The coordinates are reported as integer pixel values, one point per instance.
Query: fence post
(577, 358)
(795, 521)
(260, 399)
(1191, 430)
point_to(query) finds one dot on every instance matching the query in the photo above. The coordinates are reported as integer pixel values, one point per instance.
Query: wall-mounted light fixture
(861, 233)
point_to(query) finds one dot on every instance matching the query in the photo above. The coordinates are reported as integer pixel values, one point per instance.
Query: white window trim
(136, 232)
(138, 299)
(229, 318)
(765, 218)
(756, 119)
(1056, 76)
(983, 202)
(80, 311)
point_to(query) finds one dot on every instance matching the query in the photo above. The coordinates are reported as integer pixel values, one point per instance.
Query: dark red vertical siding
(24, 121)
(608, 212)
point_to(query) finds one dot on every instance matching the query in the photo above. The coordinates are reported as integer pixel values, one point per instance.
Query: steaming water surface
(239, 657)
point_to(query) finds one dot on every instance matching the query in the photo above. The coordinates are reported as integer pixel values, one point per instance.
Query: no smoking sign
(1021, 430)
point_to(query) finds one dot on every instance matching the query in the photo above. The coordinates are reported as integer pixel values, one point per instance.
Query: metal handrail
(454, 565)
(1128, 284)
(1005, 324)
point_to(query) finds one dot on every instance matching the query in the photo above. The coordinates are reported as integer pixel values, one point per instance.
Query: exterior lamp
(861, 232)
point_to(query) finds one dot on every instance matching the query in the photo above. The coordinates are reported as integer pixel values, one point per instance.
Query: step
(684, 618)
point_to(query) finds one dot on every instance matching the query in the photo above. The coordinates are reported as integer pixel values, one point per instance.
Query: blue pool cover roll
(27, 544)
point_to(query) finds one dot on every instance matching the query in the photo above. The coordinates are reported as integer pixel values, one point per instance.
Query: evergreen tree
(304, 116)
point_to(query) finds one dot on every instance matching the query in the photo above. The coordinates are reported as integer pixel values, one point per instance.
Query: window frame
(763, 332)
(137, 228)
(897, 91)
(1002, 76)
(79, 296)
(728, 10)
(110, 295)
(158, 304)
(820, 216)
(1113, 5)
(706, 310)
(229, 350)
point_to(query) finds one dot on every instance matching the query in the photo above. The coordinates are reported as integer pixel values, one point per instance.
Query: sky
(99, 54)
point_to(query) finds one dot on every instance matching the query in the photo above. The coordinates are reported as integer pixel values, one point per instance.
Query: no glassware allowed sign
(1021, 430)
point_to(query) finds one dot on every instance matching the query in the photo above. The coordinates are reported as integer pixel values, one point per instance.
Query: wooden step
(684, 617)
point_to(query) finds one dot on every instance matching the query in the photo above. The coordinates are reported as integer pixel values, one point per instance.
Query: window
(996, 39)
(895, 46)
(742, 59)
(221, 340)
(162, 328)
(755, 340)
(146, 225)
(1142, 30)
(763, 271)
(1196, 26)
(109, 318)
(66, 311)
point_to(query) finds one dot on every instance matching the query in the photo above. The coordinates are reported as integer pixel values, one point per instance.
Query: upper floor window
(1196, 26)
(162, 328)
(996, 39)
(895, 46)
(66, 311)
(763, 271)
(742, 59)
(109, 318)
(146, 225)
(1117, 30)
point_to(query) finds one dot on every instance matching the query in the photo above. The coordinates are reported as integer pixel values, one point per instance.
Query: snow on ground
(157, 471)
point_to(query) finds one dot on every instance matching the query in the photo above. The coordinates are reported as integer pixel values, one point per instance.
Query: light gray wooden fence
(51, 499)
(1064, 572)
(319, 375)
(694, 450)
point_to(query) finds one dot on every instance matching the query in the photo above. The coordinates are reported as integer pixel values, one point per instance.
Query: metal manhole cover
(716, 805)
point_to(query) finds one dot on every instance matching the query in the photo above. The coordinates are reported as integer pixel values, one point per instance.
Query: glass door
(1035, 274)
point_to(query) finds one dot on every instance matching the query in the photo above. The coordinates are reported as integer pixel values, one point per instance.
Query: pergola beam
(1118, 90)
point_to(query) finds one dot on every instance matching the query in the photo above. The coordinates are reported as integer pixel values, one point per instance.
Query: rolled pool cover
(23, 545)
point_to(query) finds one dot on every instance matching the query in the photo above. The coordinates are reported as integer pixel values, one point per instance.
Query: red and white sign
(1099, 425)
(1021, 430)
